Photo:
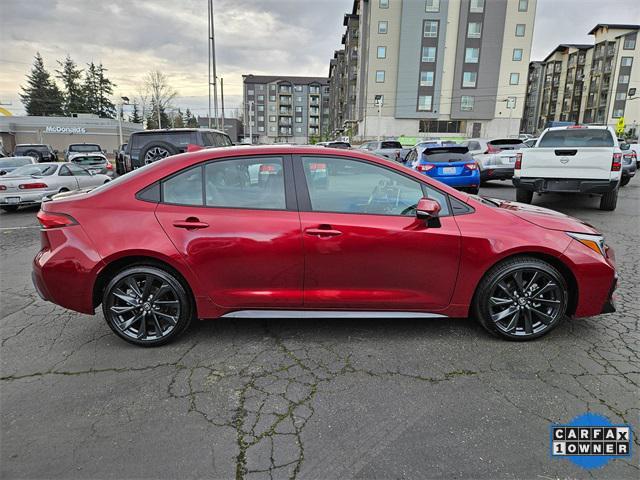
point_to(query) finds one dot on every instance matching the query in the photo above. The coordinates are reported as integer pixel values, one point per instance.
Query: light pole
(123, 101)
(379, 101)
(251, 122)
(511, 105)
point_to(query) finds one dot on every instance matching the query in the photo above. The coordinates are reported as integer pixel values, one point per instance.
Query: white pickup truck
(576, 159)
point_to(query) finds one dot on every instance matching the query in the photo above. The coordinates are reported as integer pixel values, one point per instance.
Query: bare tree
(161, 93)
(143, 99)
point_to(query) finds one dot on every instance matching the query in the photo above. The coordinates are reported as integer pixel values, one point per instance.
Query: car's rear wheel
(146, 305)
(524, 196)
(521, 299)
(10, 208)
(609, 200)
(34, 154)
(624, 181)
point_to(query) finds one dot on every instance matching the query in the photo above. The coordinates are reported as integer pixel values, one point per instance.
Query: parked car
(574, 159)
(629, 164)
(387, 148)
(149, 146)
(41, 152)
(94, 162)
(635, 148)
(530, 142)
(119, 156)
(496, 157)
(195, 236)
(410, 158)
(9, 164)
(30, 184)
(452, 165)
(76, 148)
(334, 144)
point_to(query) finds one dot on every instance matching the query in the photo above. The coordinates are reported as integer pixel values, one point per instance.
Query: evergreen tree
(106, 108)
(70, 76)
(178, 122)
(191, 121)
(152, 117)
(135, 114)
(41, 96)
(90, 89)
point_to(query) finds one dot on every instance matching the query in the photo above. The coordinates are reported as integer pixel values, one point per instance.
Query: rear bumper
(496, 172)
(26, 198)
(572, 185)
(460, 181)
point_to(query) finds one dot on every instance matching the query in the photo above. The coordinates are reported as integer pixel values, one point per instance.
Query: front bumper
(610, 306)
(24, 198)
(570, 185)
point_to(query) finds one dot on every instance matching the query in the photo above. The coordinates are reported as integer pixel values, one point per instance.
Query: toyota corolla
(287, 231)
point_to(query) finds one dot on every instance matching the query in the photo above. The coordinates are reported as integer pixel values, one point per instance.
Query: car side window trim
(304, 198)
(291, 203)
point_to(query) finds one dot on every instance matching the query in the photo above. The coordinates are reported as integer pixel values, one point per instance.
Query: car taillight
(518, 164)
(31, 186)
(109, 166)
(3, 187)
(471, 166)
(55, 220)
(616, 162)
(425, 168)
(492, 149)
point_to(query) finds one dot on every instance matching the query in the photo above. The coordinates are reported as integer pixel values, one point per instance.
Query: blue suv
(452, 165)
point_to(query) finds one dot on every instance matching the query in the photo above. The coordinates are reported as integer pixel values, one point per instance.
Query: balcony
(285, 100)
(285, 111)
(284, 89)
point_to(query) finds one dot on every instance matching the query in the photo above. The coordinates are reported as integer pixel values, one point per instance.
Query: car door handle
(191, 223)
(323, 231)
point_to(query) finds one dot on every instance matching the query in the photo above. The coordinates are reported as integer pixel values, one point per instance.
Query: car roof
(84, 143)
(87, 154)
(580, 127)
(32, 145)
(20, 157)
(178, 130)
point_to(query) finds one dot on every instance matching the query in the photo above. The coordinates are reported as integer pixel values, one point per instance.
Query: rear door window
(222, 140)
(587, 137)
(185, 188)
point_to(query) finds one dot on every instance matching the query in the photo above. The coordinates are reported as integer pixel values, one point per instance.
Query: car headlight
(594, 242)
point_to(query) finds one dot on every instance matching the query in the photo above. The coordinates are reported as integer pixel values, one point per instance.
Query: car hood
(545, 218)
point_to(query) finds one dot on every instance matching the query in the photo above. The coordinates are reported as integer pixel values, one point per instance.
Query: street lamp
(123, 101)
(511, 105)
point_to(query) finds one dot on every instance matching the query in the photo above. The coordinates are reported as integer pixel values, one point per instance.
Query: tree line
(89, 91)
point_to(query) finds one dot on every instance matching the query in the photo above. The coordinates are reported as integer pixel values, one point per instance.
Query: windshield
(587, 137)
(88, 160)
(391, 145)
(14, 162)
(85, 148)
(36, 170)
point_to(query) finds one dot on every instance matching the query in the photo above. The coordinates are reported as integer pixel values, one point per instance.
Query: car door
(235, 223)
(364, 247)
(68, 180)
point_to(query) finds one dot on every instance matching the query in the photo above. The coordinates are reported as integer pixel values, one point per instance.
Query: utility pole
(158, 108)
(123, 101)
(251, 121)
(213, 77)
(222, 101)
(378, 100)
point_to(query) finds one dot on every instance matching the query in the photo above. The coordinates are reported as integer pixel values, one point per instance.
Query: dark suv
(151, 145)
(42, 153)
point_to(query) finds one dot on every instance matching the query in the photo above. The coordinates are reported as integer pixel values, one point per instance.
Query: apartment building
(285, 109)
(531, 112)
(594, 83)
(434, 67)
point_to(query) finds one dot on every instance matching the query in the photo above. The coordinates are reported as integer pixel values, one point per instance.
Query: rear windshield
(507, 143)
(213, 139)
(37, 170)
(446, 157)
(574, 137)
(85, 148)
(14, 162)
(26, 148)
(338, 145)
(88, 160)
(391, 145)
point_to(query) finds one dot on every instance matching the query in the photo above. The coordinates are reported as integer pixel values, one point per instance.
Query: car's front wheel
(521, 299)
(10, 208)
(146, 305)
(524, 196)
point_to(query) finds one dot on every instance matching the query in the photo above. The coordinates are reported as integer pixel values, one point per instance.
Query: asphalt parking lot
(327, 399)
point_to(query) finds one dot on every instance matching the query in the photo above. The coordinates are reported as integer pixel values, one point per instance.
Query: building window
(384, 3)
(272, 98)
(520, 28)
(629, 43)
(432, 6)
(424, 103)
(476, 6)
(431, 28)
(469, 79)
(379, 76)
(272, 108)
(471, 55)
(383, 26)
(514, 79)
(272, 118)
(428, 54)
(517, 55)
(626, 61)
(618, 112)
(426, 79)
(466, 103)
(298, 129)
(298, 119)
(382, 52)
(261, 98)
(623, 79)
(474, 30)
(261, 118)
(261, 108)
(523, 5)
(261, 87)
(261, 129)
(250, 92)
(621, 96)
(298, 88)
(272, 128)
(298, 109)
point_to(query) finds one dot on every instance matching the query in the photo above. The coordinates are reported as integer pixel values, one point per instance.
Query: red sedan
(287, 231)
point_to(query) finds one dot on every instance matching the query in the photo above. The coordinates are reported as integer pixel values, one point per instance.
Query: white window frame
(425, 82)
(474, 34)
(623, 77)
(631, 45)
(421, 106)
(423, 57)
(621, 96)
(468, 59)
(430, 33)
(523, 5)
(467, 103)
(466, 84)
(626, 62)
(383, 31)
(380, 76)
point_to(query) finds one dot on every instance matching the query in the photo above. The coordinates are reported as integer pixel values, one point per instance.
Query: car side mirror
(427, 208)
(625, 146)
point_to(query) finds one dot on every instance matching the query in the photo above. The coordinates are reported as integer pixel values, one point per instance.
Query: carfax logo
(590, 440)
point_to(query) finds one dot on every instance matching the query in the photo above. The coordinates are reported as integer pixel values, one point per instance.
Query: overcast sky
(290, 37)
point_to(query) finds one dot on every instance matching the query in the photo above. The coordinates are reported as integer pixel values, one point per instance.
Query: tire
(524, 196)
(156, 151)
(609, 200)
(127, 293)
(35, 154)
(119, 167)
(521, 298)
(474, 191)
(624, 181)
(10, 208)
